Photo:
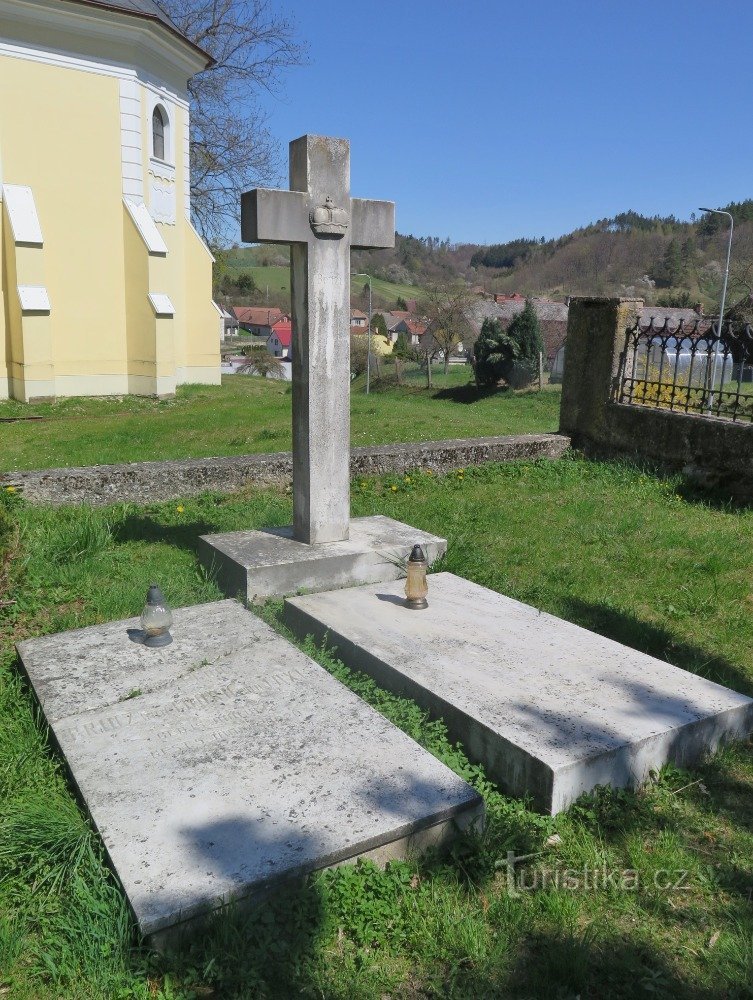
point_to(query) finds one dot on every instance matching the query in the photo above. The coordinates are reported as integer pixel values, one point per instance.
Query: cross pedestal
(324, 549)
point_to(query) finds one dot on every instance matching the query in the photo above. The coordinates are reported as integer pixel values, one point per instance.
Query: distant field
(277, 279)
(249, 414)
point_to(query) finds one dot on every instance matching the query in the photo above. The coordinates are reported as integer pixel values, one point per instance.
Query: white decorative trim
(33, 299)
(200, 238)
(107, 385)
(82, 35)
(27, 389)
(131, 147)
(165, 171)
(22, 212)
(162, 193)
(161, 304)
(91, 385)
(199, 375)
(187, 166)
(146, 227)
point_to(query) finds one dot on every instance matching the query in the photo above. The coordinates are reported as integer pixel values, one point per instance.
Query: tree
(245, 283)
(379, 325)
(494, 353)
(402, 351)
(232, 148)
(525, 331)
(261, 362)
(671, 270)
(401, 304)
(447, 306)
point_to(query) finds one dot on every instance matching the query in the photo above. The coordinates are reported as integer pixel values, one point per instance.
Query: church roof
(148, 9)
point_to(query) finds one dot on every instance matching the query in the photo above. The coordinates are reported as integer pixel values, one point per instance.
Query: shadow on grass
(657, 642)
(467, 393)
(563, 966)
(730, 496)
(142, 528)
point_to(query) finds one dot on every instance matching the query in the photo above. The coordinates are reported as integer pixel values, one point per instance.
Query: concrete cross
(321, 222)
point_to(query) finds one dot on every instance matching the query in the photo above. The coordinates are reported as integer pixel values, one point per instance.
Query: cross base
(256, 565)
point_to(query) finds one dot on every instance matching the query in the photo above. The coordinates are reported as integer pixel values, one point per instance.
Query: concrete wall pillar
(595, 341)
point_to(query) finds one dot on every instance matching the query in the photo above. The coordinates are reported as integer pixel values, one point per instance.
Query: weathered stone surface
(551, 709)
(272, 563)
(229, 762)
(142, 482)
(320, 221)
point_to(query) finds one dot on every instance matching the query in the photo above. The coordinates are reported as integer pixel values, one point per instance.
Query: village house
(229, 322)
(359, 321)
(280, 339)
(258, 320)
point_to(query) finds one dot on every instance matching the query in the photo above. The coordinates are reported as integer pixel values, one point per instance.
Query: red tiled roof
(283, 330)
(257, 315)
(416, 327)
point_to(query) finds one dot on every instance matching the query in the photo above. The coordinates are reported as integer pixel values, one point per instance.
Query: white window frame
(169, 120)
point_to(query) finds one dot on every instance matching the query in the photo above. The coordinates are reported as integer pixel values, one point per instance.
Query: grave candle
(156, 619)
(416, 586)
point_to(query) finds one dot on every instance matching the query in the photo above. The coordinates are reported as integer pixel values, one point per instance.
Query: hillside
(662, 259)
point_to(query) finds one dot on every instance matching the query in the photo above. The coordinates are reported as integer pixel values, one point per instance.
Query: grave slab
(551, 709)
(272, 563)
(229, 763)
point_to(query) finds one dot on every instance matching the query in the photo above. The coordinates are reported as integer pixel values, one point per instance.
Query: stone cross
(321, 222)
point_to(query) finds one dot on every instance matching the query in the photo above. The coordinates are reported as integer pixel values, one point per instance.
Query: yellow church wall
(12, 340)
(62, 139)
(201, 357)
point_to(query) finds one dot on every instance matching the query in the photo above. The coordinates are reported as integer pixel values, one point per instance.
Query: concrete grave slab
(551, 709)
(272, 563)
(229, 763)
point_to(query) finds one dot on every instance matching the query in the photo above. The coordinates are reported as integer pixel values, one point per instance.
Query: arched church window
(159, 130)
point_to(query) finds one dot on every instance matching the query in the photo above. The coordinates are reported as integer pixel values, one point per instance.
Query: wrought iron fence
(690, 368)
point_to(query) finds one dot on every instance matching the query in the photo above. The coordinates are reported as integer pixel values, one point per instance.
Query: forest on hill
(665, 260)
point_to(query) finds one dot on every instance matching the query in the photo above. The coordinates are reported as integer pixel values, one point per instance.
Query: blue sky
(487, 121)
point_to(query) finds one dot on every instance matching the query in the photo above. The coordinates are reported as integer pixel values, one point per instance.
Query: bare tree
(448, 308)
(232, 148)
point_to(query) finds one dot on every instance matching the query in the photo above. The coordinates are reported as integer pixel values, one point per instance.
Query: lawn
(633, 555)
(275, 280)
(249, 414)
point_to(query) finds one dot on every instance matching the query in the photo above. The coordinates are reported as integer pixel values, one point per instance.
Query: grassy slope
(248, 414)
(622, 552)
(278, 278)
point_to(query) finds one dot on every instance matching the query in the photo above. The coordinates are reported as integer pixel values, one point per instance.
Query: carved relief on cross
(321, 222)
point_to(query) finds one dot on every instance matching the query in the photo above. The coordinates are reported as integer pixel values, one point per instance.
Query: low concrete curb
(144, 482)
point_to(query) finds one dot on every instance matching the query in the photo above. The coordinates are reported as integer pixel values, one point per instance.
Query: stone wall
(717, 452)
(144, 482)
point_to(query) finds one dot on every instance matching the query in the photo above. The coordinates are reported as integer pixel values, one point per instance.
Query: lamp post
(719, 211)
(362, 274)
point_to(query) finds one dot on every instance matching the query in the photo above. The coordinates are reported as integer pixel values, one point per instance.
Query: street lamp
(362, 274)
(719, 211)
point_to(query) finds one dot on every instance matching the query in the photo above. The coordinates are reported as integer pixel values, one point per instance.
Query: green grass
(636, 557)
(248, 414)
(277, 278)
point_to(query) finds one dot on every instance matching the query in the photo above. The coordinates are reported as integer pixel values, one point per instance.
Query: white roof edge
(147, 227)
(22, 212)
